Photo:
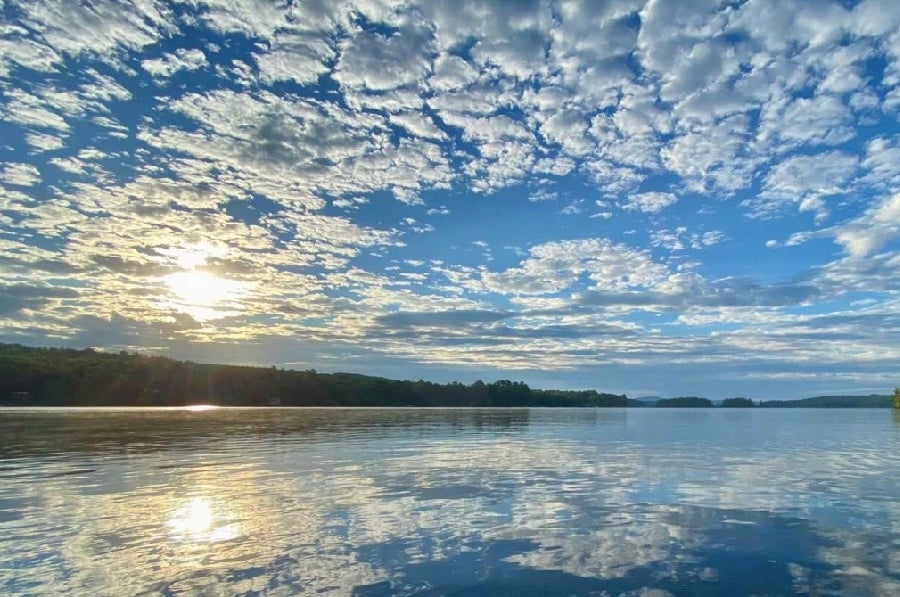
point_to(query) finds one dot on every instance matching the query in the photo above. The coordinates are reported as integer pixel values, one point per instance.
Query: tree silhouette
(66, 377)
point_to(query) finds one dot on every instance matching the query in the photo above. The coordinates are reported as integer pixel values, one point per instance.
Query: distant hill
(643, 401)
(870, 401)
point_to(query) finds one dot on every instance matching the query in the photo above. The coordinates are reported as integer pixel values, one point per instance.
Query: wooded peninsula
(69, 377)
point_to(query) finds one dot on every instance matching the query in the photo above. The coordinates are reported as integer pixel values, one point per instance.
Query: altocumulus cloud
(595, 192)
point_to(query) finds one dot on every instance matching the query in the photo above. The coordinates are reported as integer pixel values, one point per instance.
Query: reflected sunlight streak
(200, 407)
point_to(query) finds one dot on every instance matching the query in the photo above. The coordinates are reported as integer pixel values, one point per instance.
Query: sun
(193, 289)
(203, 295)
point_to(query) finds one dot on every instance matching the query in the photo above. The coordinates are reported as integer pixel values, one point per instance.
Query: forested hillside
(66, 377)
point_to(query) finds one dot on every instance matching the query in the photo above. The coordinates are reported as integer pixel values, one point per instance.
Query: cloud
(315, 154)
(554, 266)
(98, 29)
(15, 298)
(881, 161)
(182, 59)
(650, 203)
(418, 125)
(864, 234)
(543, 195)
(680, 239)
(379, 63)
(807, 181)
(452, 318)
(877, 226)
(17, 51)
(727, 292)
(23, 175)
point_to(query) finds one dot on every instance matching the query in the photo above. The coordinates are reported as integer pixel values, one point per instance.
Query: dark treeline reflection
(64, 377)
(28, 432)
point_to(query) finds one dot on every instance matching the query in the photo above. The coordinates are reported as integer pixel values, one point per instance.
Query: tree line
(88, 377)
(69, 377)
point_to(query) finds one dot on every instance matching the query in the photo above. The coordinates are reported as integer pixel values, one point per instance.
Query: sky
(698, 197)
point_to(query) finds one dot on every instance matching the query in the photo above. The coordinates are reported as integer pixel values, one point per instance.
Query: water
(446, 501)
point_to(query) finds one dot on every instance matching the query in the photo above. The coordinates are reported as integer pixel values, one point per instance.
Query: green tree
(896, 398)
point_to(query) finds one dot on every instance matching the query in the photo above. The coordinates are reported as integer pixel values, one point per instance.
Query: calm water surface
(449, 501)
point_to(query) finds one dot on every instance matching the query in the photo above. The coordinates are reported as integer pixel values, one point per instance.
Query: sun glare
(202, 295)
(196, 292)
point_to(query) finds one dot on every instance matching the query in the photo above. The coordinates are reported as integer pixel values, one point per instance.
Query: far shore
(57, 377)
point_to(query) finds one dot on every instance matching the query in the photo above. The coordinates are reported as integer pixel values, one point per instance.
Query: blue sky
(693, 197)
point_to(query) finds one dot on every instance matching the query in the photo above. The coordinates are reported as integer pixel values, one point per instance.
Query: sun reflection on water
(196, 521)
(200, 407)
(194, 517)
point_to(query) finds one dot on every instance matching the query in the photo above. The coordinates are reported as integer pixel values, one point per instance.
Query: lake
(449, 501)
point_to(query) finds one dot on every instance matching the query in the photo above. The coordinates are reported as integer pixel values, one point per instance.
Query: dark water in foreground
(462, 502)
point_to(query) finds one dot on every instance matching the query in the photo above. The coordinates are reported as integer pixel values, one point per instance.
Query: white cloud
(253, 18)
(651, 202)
(44, 142)
(24, 175)
(380, 63)
(714, 157)
(680, 239)
(882, 160)
(573, 208)
(543, 195)
(822, 120)
(451, 73)
(418, 125)
(872, 230)
(182, 59)
(29, 110)
(807, 180)
(553, 267)
(18, 51)
(99, 28)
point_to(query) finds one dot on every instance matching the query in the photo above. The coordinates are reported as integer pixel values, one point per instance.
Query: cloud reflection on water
(403, 502)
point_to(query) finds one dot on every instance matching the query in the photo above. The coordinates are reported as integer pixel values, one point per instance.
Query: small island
(737, 403)
(685, 402)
